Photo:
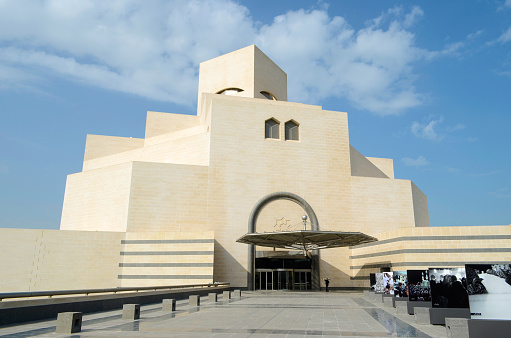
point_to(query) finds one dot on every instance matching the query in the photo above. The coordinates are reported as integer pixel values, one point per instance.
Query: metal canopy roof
(306, 239)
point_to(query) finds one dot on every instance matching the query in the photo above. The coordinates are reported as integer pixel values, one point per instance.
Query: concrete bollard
(227, 295)
(456, 327)
(367, 294)
(131, 311)
(168, 305)
(388, 302)
(213, 297)
(236, 294)
(421, 315)
(194, 300)
(401, 308)
(69, 322)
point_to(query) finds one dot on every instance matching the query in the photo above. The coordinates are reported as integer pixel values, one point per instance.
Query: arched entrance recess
(252, 220)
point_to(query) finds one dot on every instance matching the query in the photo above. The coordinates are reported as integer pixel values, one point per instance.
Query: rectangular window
(271, 129)
(292, 132)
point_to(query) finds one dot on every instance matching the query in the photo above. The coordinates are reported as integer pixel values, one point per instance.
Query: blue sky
(426, 83)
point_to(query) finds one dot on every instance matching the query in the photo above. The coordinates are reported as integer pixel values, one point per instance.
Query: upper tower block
(246, 72)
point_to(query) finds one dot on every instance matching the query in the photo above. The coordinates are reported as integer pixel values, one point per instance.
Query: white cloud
(427, 130)
(371, 67)
(457, 49)
(413, 16)
(432, 130)
(489, 173)
(459, 126)
(153, 48)
(418, 162)
(473, 36)
(505, 37)
(506, 4)
(11, 77)
(452, 170)
(503, 192)
(502, 39)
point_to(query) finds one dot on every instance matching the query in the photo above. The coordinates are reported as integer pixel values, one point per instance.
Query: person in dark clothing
(327, 282)
(458, 296)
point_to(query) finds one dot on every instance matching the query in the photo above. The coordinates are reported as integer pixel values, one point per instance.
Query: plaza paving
(255, 314)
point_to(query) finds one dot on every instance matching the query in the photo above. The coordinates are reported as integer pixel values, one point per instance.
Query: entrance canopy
(306, 239)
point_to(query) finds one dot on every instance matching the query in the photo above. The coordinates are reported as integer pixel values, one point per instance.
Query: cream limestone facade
(48, 260)
(167, 209)
(421, 248)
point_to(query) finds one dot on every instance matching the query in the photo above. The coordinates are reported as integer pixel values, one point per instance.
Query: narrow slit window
(230, 91)
(292, 131)
(269, 96)
(271, 129)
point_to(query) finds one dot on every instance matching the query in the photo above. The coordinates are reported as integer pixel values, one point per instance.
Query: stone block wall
(422, 248)
(46, 260)
(166, 258)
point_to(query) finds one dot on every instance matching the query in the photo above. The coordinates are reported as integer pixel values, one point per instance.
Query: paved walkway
(256, 314)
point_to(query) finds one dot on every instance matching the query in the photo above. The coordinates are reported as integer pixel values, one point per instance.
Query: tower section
(247, 72)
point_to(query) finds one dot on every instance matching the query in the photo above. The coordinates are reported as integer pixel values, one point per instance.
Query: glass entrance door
(274, 279)
(302, 279)
(264, 279)
(283, 279)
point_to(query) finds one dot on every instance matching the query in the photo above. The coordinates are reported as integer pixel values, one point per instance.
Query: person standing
(327, 282)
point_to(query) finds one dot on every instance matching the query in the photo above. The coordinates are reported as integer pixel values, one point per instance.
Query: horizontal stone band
(163, 253)
(164, 265)
(432, 238)
(165, 276)
(167, 241)
(447, 250)
(360, 278)
(425, 264)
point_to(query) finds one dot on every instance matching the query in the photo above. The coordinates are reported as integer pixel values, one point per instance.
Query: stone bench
(131, 311)
(236, 294)
(69, 322)
(413, 304)
(456, 327)
(421, 315)
(168, 305)
(401, 308)
(227, 295)
(194, 300)
(213, 297)
(388, 302)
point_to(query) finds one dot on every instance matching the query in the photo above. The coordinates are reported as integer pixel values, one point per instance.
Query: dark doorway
(283, 274)
(283, 263)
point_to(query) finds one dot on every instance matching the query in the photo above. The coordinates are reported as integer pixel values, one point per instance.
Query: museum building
(167, 209)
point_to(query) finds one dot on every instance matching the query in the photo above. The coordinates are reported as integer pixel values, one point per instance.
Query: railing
(50, 294)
